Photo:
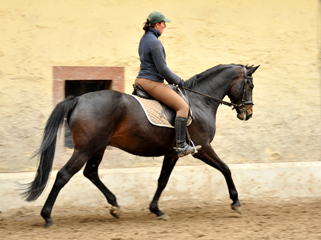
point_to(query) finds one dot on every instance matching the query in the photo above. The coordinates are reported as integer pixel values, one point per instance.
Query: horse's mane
(208, 75)
(212, 78)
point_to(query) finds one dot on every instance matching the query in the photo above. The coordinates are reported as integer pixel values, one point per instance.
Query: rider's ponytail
(148, 25)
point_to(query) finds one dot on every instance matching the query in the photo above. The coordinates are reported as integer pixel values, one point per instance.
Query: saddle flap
(154, 111)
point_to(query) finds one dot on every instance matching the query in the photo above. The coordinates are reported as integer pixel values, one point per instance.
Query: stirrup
(187, 149)
(195, 149)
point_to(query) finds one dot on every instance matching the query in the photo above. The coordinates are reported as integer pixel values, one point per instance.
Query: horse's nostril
(250, 115)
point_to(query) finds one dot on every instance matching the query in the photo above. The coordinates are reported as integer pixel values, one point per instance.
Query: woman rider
(153, 70)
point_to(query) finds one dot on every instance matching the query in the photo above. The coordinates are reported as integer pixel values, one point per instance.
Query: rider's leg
(166, 95)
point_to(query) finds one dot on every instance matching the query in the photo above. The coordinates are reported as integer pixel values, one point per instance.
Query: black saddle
(169, 112)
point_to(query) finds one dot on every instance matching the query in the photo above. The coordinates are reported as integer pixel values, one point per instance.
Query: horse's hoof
(237, 209)
(115, 212)
(48, 224)
(163, 217)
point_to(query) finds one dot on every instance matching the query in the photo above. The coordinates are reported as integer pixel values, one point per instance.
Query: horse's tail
(47, 149)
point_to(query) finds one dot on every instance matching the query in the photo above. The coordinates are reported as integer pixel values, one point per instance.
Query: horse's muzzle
(245, 114)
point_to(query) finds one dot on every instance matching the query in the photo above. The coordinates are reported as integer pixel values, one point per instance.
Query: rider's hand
(181, 83)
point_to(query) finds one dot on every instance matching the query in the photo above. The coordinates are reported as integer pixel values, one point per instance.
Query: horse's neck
(218, 89)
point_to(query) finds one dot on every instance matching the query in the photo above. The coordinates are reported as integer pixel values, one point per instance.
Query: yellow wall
(281, 36)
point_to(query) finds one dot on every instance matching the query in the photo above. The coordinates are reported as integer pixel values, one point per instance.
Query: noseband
(241, 106)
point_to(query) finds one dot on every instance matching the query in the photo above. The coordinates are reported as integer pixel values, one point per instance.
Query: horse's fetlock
(153, 207)
(113, 201)
(234, 195)
(45, 212)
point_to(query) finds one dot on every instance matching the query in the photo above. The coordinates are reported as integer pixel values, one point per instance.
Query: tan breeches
(164, 94)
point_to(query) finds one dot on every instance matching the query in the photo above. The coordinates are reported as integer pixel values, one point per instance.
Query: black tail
(47, 149)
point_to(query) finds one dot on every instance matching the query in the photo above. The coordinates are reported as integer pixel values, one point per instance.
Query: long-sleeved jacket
(153, 59)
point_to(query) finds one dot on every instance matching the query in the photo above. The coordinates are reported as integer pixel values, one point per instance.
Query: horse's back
(100, 98)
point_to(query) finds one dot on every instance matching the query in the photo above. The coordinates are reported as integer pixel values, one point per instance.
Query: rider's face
(160, 27)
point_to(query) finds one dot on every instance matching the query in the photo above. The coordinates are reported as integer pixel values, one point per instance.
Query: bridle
(244, 102)
(241, 107)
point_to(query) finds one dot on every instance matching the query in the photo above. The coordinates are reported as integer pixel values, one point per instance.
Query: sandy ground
(295, 218)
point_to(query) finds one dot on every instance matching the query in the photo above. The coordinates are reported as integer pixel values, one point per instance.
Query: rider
(153, 70)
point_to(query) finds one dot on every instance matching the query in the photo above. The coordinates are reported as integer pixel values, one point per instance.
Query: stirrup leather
(190, 140)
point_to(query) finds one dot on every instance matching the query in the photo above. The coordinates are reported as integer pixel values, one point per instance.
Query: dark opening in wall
(79, 87)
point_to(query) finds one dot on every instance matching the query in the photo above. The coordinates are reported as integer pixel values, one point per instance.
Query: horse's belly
(148, 144)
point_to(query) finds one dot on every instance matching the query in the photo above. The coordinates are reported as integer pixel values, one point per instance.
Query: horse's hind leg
(209, 156)
(75, 163)
(167, 168)
(91, 172)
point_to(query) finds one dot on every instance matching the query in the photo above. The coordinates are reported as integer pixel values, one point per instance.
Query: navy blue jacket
(153, 59)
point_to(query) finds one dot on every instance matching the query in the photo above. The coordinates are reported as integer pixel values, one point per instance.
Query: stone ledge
(136, 186)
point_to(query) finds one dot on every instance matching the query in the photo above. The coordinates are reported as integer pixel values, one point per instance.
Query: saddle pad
(153, 110)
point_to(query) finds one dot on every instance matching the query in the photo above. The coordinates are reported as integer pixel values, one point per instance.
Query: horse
(108, 117)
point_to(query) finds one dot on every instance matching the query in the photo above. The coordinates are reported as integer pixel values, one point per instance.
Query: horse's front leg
(167, 168)
(208, 155)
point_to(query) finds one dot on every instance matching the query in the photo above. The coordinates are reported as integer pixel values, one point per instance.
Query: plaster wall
(281, 36)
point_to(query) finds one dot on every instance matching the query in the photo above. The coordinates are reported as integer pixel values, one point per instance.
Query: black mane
(209, 73)
(203, 81)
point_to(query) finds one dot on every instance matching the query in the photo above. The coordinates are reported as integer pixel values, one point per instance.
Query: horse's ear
(253, 69)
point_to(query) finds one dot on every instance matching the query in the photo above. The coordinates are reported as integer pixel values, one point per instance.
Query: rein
(216, 99)
(230, 104)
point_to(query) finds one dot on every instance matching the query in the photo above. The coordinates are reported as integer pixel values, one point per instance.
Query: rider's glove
(181, 83)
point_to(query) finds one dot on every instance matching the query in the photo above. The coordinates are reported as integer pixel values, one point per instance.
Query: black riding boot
(182, 148)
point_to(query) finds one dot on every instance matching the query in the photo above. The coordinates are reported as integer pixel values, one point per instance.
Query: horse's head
(241, 93)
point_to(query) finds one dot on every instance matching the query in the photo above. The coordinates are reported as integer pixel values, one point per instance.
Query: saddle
(169, 112)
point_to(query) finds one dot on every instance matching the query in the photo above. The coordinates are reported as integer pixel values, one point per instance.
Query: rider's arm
(158, 56)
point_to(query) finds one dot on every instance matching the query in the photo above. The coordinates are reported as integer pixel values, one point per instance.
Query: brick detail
(63, 73)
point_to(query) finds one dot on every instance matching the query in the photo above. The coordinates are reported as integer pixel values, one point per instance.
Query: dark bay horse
(103, 118)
